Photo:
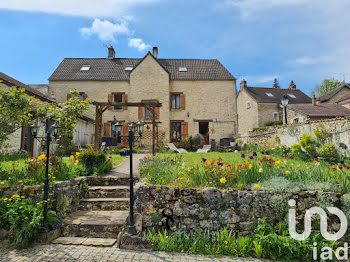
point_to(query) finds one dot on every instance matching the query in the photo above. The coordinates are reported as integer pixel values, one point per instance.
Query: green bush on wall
(92, 158)
(328, 151)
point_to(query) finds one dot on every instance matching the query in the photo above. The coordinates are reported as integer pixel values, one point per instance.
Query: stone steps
(118, 180)
(104, 204)
(108, 192)
(85, 241)
(101, 224)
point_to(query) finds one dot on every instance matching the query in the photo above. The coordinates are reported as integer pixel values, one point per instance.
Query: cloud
(86, 8)
(138, 44)
(307, 60)
(260, 79)
(248, 8)
(105, 30)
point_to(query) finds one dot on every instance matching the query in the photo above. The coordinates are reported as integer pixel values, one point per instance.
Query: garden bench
(172, 147)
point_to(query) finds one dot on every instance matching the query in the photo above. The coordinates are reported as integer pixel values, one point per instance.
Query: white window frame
(269, 94)
(182, 69)
(85, 68)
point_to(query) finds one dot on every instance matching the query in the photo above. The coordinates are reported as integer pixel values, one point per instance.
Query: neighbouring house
(261, 106)
(300, 113)
(335, 95)
(22, 138)
(198, 96)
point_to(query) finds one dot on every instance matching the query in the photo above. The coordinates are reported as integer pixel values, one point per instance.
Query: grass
(254, 170)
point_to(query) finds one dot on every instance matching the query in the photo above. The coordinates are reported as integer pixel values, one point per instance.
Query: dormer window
(292, 96)
(269, 94)
(85, 68)
(183, 69)
(128, 68)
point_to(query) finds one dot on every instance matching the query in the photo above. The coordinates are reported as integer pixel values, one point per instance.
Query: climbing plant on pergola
(101, 107)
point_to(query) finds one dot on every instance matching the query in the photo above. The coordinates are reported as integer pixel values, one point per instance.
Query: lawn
(248, 170)
(32, 171)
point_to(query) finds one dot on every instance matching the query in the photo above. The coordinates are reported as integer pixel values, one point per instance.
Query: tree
(326, 86)
(276, 84)
(15, 111)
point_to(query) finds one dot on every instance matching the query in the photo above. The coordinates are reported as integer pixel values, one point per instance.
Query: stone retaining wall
(174, 208)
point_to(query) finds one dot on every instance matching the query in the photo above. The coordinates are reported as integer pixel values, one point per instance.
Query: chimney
(313, 100)
(243, 84)
(111, 52)
(292, 85)
(155, 51)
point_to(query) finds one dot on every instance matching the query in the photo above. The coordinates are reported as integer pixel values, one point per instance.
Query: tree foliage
(276, 84)
(15, 111)
(326, 86)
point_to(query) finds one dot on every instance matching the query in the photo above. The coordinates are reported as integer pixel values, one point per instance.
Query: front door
(204, 131)
(27, 141)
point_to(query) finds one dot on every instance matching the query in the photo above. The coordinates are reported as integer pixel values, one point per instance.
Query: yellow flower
(277, 163)
(260, 170)
(182, 251)
(240, 185)
(54, 181)
(257, 186)
(287, 172)
(10, 199)
(71, 157)
(5, 198)
(76, 161)
(20, 207)
(41, 157)
(2, 183)
(180, 178)
(250, 166)
(20, 181)
(23, 197)
(26, 218)
(77, 153)
(226, 242)
(222, 180)
(53, 177)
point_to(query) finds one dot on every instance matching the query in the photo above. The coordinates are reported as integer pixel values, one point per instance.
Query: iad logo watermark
(327, 254)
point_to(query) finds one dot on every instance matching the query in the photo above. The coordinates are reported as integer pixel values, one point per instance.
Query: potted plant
(239, 142)
(124, 152)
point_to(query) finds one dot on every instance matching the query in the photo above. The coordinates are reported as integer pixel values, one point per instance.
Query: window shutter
(141, 112)
(107, 129)
(125, 100)
(69, 96)
(157, 112)
(171, 101)
(125, 132)
(183, 101)
(85, 96)
(110, 99)
(184, 130)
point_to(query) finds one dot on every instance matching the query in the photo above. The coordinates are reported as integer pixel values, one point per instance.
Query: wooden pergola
(101, 107)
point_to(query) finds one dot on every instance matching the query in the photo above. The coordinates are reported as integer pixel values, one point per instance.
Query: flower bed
(249, 170)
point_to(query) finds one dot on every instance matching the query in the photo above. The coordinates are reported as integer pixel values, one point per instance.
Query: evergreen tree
(276, 84)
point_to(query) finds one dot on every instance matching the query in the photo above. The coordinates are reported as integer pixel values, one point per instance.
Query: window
(295, 120)
(175, 131)
(276, 116)
(85, 68)
(183, 69)
(269, 94)
(148, 114)
(292, 96)
(128, 68)
(247, 104)
(175, 103)
(81, 96)
(118, 98)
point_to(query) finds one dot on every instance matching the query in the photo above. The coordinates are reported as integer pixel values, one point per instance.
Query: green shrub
(274, 123)
(13, 156)
(322, 134)
(92, 159)
(328, 151)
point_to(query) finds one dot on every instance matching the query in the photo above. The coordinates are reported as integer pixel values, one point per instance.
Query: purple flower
(255, 154)
(110, 157)
(204, 160)
(243, 155)
(251, 157)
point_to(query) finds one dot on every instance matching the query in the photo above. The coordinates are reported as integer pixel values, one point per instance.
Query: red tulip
(340, 167)
(334, 168)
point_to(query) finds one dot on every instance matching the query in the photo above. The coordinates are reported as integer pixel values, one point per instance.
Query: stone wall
(289, 135)
(174, 208)
(66, 194)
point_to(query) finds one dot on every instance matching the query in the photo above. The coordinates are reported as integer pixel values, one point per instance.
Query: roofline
(334, 93)
(149, 53)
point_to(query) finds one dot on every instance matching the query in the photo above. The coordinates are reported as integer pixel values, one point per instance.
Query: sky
(301, 40)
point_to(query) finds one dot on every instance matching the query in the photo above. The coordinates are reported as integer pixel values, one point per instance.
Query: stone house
(300, 113)
(197, 95)
(259, 106)
(22, 138)
(335, 96)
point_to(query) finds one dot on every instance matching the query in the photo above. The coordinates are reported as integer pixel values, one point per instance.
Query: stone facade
(212, 101)
(344, 91)
(174, 208)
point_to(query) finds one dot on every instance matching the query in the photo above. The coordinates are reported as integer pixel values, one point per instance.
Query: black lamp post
(284, 102)
(50, 129)
(133, 128)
